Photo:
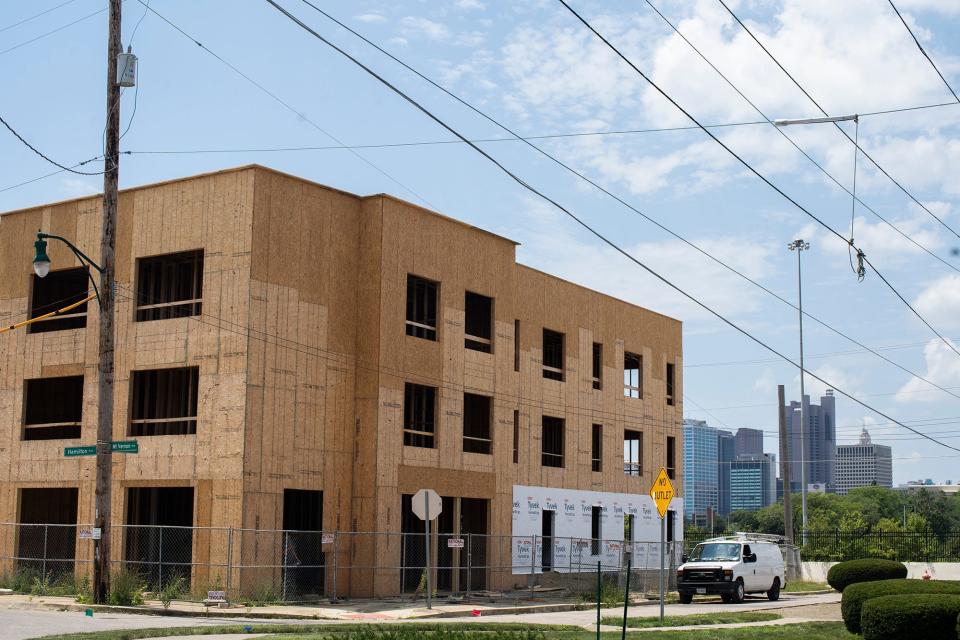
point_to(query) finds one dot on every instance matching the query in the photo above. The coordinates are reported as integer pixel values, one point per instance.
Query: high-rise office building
(821, 441)
(749, 442)
(700, 478)
(725, 456)
(863, 464)
(753, 482)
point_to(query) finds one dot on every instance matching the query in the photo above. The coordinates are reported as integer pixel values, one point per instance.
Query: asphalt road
(23, 624)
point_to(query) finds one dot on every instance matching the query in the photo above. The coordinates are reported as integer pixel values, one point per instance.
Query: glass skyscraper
(700, 470)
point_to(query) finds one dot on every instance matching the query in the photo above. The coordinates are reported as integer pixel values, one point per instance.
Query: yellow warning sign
(662, 492)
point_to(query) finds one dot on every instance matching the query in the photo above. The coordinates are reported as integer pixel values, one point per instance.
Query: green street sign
(122, 446)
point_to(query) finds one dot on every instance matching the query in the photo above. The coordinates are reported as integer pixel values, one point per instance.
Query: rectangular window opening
(53, 408)
(421, 308)
(632, 375)
(419, 415)
(596, 514)
(552, 442)
(476, 423)
(597, 365)
(516, 345)
(552, 355)
(58, 290)
(632, 452)
(164, 402)
(516, 437)
(670, 374)
(170, 286)
(596, 448)
(671, 457)
(478, 322)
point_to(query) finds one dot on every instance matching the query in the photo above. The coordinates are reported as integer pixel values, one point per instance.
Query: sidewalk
(356, 610)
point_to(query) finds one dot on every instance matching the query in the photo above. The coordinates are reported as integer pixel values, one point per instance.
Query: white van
(732, 567)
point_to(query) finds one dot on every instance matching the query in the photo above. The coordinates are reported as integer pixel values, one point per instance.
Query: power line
(50, 33)
(48, 175)
(596, 185)
(573, 216)
(839, 128)
(35, 16)
(750, 168)
(819, 166)
(45, 157)
(922, 50)
(285, 104)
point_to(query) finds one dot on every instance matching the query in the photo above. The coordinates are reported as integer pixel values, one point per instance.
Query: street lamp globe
(41, 263)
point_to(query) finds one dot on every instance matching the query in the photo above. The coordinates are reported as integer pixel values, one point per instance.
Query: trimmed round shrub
(856, 595)
(865, 570)
(905, 617)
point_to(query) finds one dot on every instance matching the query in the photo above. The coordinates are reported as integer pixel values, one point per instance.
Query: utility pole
(800, 246)
(111, 175)
(785, 467)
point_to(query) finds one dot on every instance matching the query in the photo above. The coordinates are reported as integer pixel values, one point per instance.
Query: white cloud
(942, 367)
(551, 243)
(939, 302)
(370, 17)
(942, 6)
(417, 26)
(76, 187)
(471, 4)
(766, 383)
(836, 377)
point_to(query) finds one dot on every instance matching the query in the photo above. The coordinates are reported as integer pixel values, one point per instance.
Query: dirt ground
(830, 611)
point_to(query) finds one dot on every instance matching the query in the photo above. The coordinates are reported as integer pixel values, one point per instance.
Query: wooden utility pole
(111, 175)
(785, 467)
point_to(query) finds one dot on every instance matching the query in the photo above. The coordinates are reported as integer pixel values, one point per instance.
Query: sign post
(427, 505)
(662, 493)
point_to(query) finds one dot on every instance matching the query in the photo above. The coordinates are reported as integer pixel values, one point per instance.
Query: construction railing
(271, 566)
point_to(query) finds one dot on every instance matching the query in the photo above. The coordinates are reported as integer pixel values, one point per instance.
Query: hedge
(865, 570)
(856, 595)
(905, 617)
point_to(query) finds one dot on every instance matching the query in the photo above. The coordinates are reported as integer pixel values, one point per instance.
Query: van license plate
(701, 590)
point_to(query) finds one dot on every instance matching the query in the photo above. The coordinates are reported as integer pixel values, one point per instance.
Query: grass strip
(694, 619)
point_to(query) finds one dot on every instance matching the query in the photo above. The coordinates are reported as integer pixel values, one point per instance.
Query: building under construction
(290, 357)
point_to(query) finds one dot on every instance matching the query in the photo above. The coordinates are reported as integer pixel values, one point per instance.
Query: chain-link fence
(272, 566)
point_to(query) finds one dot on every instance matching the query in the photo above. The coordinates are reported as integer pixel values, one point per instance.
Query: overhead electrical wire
(762, 177)
(853, 193)
(44, 156)
(50, 33)
(922, 50)
(580, 175)
(48, 175)
(35, 16)
(574, 217)
(283, 102)
(837, 125)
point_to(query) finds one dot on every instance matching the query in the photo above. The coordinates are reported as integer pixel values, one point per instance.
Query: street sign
(90, 533)
(662, 492)
(122, 446)
(455, 543)
(433, 501)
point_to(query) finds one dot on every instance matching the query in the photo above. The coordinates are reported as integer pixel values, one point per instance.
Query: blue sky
(531, 66)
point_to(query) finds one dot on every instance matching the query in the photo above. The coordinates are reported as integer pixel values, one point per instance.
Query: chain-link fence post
(46, 528)
(229, 563)
(533, 562)
(286, 549)
(160, 560)
(336, 542)
(466, 595)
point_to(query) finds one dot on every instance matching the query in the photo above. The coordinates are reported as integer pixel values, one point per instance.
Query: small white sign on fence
(327, 538)
(216, 596)
(455, 543)
(90, 533)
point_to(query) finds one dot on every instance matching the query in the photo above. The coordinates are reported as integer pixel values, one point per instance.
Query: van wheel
(738, 592)
(725, 597)
(686, 598)
(774, 593)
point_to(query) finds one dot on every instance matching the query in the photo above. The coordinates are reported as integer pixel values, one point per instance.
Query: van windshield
(715, 552)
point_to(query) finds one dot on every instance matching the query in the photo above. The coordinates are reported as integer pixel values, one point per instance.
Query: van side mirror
(684, 558)
(752, 557)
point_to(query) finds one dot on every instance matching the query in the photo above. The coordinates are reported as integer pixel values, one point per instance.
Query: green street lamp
(41, 261)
